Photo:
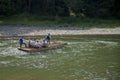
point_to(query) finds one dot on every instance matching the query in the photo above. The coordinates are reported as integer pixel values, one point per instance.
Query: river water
(83, 58)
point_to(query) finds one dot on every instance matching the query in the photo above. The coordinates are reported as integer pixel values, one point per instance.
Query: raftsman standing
(48, 38)
(21, 40)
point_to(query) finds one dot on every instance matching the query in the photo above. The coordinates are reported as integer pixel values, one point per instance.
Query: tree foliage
(80, 8)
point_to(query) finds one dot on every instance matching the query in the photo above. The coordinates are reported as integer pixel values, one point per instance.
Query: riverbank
(32, 20)
(37, 30)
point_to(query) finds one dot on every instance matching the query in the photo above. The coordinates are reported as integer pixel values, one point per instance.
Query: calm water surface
(82, 59)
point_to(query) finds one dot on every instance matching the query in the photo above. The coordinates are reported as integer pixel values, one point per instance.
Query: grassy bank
(58, 21)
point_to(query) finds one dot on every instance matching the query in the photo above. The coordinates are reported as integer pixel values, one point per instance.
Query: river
(83, 58)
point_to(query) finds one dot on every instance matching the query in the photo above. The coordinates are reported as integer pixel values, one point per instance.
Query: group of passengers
(36, 44)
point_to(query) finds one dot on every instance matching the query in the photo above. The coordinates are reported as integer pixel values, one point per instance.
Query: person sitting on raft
(31, 43)
(34, 44)
(37, 44)
(44, 44)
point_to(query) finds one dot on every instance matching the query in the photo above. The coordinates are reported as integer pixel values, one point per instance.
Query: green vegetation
(78, 8)
(59, 21)
(84, 13)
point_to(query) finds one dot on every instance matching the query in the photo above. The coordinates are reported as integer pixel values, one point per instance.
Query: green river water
(83, 58)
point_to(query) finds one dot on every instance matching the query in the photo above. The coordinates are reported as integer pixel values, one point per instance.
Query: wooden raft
(50, 46)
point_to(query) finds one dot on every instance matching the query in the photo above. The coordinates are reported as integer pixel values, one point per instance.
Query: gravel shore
(36, 30)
